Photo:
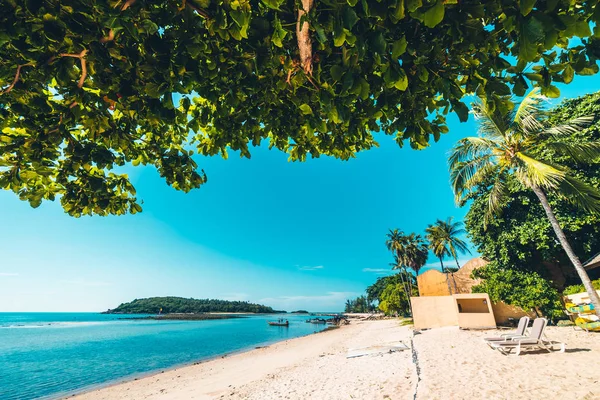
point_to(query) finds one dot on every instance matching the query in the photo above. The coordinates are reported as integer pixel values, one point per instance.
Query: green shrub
(579, 288)
(527, 290)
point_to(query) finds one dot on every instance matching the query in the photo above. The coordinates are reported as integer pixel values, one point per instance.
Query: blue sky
(289, 235)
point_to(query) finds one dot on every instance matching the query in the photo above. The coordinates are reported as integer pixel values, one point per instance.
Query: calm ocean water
(48, 355)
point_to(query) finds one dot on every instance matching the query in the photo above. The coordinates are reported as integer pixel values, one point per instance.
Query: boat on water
(279, 323)
(317, 321)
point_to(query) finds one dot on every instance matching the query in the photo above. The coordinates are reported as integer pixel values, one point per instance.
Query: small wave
(37, 325)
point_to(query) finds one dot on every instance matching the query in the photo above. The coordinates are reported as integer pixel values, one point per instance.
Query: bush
(579, 288)
(524, 289)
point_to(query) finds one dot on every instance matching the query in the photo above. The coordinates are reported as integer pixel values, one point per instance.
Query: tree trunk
(585, 279)
(303, 36)
(407, 290)
(447, 280)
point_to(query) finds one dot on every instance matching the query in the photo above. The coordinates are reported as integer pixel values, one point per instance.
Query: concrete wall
(438, 311)
(475, 311)
(434, 311)
(435, 283)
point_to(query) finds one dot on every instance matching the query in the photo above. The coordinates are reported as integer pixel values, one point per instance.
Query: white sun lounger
(519, 333)
(532, 342)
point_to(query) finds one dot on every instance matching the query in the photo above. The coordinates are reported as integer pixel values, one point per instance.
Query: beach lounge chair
(535, 340)
(519, 333)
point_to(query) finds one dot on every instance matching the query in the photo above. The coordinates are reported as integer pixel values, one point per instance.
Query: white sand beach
(452, 364)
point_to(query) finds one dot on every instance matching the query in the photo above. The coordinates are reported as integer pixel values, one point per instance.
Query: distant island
(300, 312)
(180, 305)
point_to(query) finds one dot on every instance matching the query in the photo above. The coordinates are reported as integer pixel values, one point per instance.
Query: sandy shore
(453, 364)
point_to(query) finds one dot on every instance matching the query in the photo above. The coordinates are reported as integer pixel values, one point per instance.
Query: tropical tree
(437, 243)
(507, 146)
(415, 252)
(444, 240)
(87, 86)
(375, 290)
(523, 238)
(395, 299)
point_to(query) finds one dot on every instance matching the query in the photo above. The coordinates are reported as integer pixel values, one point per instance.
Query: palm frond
(585, 153)
(491, 124)
(469, 148)
(532, 172)
(528, 114)
(482, 175)
(580, 194)
(462, 174)
(573, 126)
(496, 197)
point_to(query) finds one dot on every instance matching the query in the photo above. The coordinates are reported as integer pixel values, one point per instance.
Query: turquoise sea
(50, 355)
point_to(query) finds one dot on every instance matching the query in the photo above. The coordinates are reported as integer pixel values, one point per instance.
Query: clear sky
(289, 235)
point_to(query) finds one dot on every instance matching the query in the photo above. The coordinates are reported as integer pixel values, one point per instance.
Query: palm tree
(507, 145)
(415, 252)
(396, 242)
(438, 245)
(443, 237)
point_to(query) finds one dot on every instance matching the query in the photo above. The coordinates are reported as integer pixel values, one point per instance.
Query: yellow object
(588, 324)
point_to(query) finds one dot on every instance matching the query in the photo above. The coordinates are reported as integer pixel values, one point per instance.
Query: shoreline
(150, 374)
(438, 363)
(242, 375)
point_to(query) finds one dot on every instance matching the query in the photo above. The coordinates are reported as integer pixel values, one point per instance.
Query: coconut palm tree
(444, 240)
(507, 145)
(396, 243)
(409, 250)
(438, 245)
(415, 252)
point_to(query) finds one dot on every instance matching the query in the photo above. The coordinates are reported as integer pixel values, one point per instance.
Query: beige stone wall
(435, 283)
(438, 311)
(476, 311)
(434, 311)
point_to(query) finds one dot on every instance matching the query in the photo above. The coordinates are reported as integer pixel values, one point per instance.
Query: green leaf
(526, 6)
(337, 71)
(278, 33)
(551, 91)
(568, 73)
(399, 47)
(378, 43)
(530, 37)
(520, 86)
(434, 15)
(349, 17)
(461, 110)
(402, 82)
(339, 36)
(306, 110)
(413, 5)
(398, 13)
(274, 4)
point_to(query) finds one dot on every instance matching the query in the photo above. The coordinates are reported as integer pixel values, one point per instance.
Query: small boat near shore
(279, 323)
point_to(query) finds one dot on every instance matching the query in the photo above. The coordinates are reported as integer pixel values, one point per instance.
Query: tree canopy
(521, 235)
(524, 289)
(166, 305)
(88, 86)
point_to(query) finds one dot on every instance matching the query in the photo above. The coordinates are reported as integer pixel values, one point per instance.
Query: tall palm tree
(507, 145)
(437, 244)
(444, 240)
(406, 283)
(415, 252)
(396, 243)
(410, 250)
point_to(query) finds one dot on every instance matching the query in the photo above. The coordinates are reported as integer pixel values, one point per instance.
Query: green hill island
(182, 308)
